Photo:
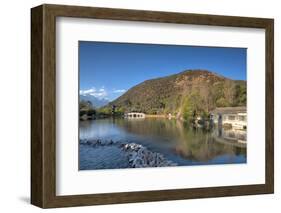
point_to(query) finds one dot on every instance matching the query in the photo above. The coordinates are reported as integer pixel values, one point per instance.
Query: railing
(134, 115)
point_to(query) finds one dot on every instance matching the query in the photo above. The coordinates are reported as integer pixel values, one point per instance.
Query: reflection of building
(134, 115)
(234, 116)
(232, 135)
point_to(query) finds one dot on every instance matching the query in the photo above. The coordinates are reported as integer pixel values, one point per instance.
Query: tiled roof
(229, 110)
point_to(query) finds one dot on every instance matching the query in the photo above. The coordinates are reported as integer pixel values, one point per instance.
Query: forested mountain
(187, 91)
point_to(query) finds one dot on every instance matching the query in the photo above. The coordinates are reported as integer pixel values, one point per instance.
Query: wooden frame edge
(43, 105)
(269, 105)
(153, 196)
(36, 106)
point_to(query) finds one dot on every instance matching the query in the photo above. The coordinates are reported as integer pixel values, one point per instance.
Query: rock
(83, 141)
(139, 156)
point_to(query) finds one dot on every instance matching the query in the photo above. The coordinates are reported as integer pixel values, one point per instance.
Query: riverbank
(94, 154)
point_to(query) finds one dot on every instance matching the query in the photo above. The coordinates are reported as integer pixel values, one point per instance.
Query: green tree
(119, 111)
(222, 102)
(86, 108)
(241, 95)
(193, 105)
(104, 111)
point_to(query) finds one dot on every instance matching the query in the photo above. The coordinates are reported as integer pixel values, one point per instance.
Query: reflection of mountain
(168, 94)
(205, 148)
(197, 145)
(96, 102)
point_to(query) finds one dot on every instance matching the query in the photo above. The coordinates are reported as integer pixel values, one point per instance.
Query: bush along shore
(137, 155)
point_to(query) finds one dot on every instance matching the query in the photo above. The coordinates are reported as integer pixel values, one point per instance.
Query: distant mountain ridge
(96, 102)
(203, 88)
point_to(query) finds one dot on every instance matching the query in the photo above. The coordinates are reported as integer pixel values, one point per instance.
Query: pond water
(176, 141)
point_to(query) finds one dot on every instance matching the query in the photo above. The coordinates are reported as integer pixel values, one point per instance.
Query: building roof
(229, 110)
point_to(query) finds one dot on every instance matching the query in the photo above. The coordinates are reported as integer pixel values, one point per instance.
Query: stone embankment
(138, 155)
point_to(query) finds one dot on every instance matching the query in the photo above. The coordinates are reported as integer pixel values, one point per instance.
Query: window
(242, 118)
(231, 117)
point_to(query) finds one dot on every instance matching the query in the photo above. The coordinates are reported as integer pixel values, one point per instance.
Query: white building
(234, 116)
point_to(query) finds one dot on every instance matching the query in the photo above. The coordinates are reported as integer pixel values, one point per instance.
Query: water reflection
(174, 139)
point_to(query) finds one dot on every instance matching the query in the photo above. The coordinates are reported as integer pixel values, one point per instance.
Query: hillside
(189, 90)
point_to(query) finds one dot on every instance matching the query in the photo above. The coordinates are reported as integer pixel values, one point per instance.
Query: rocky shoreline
(138, 156)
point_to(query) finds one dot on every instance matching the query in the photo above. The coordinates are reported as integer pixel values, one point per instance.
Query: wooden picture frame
(43, 105)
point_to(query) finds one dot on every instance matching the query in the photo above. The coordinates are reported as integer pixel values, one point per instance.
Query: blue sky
(107, 69)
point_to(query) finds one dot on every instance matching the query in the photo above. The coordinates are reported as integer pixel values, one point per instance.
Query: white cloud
(102, 93)
(98, 93)
(119, 90)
